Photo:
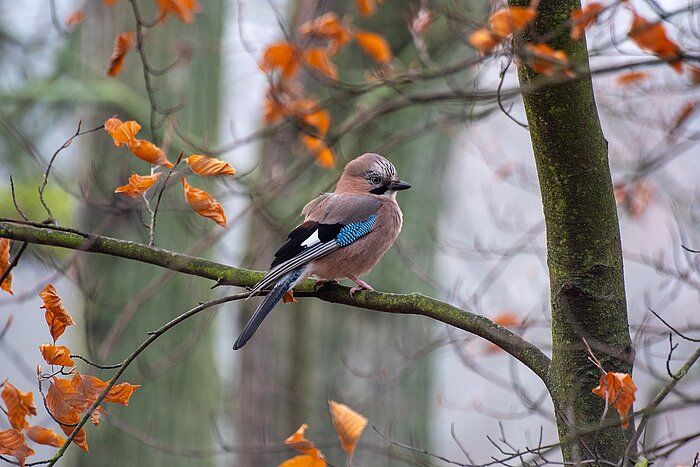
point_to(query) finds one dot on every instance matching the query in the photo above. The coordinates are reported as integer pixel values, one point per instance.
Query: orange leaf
(203, 204)
(56, 315)
(149, 152)
(209, 166)
(19, 405)
(5, 264)
(319, 60)
(283, 56)
(319, 121)
(631, 77)
(138, 185)
(652, 37)
(328, 27)
(183, 9)
(507, 319)
(121, 132)
(42, 435)
(547, 61)
(617, 389)
(288, 297)
(12, 443)
(121, 393)
(483, 40)
(348, 424)
(110, 2)
(511, 20)
(304, 460)
(366, 7)
(325, 157)
(122, 44)
(374, 45)
(60, 399)
(300, 443)
(75, 18)
(581, 18)
(56, 354)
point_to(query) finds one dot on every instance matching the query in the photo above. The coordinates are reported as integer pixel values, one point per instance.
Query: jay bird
(344, 234)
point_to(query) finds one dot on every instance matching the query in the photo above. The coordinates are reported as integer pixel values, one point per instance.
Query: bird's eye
(374, 180)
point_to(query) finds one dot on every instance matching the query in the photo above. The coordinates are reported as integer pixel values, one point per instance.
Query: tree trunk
(584, 253)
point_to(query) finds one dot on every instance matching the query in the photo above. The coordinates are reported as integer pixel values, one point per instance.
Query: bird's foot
(361, 285)
(323, 282)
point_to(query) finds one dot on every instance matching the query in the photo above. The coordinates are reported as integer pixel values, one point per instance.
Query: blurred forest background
(473, 230)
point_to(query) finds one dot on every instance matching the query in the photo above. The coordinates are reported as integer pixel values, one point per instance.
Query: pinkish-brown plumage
(344, 234)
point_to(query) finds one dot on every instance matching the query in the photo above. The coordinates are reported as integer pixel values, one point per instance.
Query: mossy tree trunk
(584, 252)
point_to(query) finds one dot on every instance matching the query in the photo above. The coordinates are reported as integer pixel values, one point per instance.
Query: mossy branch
(414, 303)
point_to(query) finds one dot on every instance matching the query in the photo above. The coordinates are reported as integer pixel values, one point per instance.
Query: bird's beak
(398, 185)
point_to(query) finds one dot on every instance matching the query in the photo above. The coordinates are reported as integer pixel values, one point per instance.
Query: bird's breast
(363, 254)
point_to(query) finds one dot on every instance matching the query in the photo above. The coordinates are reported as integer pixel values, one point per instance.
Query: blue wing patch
(351, 232)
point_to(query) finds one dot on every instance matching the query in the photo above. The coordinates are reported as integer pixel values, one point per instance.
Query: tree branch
(413, 303)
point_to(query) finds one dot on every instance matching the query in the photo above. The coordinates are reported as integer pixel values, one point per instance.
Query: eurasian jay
(344, 234)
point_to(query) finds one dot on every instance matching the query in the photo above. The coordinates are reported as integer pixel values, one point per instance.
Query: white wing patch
(312, 240)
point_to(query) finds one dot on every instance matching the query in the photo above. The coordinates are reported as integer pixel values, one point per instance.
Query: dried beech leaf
(149, 152)
(138, 185)
(19, 405)
(511, 20)
(121, 132)
(42, 435)
(56, 354)
(319, 60)
(375, 46)
(5, 264)
(631, 77)
(183, 9)
(56, 315)
(652, 37)
(547, 61)
(617, 389)
(348, 424)
(582, 18)
(281, 56)
(484, 40)
(122, 43)
(327, 27)
(209, 166)
(204, 204)
(12, 443)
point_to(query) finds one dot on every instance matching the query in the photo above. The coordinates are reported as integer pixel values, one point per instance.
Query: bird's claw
(354, 290)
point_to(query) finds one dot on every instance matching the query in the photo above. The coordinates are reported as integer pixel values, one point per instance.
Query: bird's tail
(283, 284)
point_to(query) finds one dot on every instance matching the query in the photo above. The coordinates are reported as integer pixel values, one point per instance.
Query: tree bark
(584, 253)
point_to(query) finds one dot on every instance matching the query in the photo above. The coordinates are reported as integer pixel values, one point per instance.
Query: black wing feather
(293, 246)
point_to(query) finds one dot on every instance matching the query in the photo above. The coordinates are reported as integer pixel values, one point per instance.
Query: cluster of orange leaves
(124, 134)
(285, 99)
(67, 400)
(505, 22)
(349, 426)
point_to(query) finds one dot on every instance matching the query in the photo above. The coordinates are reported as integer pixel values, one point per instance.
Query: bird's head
(370, 173)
